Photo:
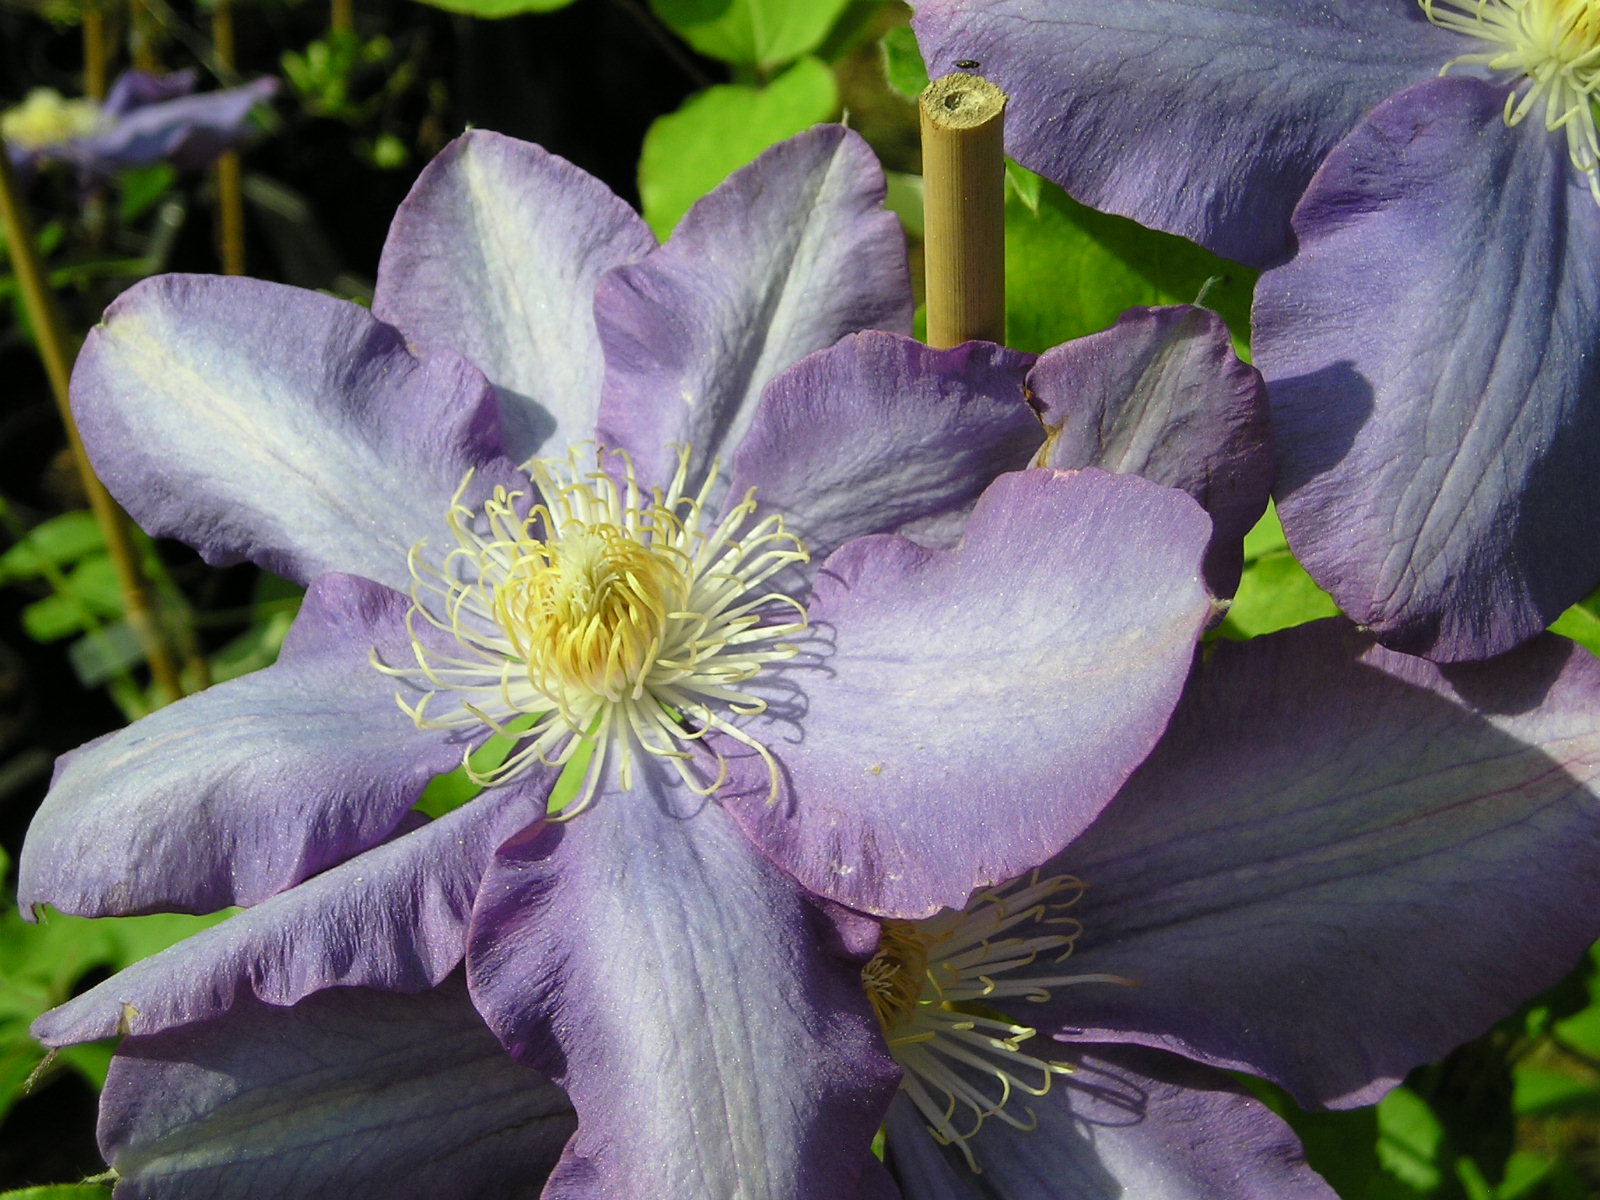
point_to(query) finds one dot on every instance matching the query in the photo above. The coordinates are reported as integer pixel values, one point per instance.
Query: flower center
(615, 618)
(46, 118)
(1555, 46)
(939, 988)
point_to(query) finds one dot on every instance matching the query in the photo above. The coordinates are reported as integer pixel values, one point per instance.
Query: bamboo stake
(95, 66)
(230, 175)
(964, 245)
(342, 17)
(49, 328)
(142, 36)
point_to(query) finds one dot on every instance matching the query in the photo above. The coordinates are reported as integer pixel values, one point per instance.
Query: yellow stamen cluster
(615, 617)
(1555, 46)
(933, 985)
(46, 118)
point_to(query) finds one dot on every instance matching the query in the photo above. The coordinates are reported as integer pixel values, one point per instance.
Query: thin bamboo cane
(230, 174)
(964, 248)
(49, 329)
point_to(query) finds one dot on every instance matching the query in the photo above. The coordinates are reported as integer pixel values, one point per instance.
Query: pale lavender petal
(679, 987)
(786, 257)
(1161, 394)
(881, 434)
(1438, 420)
(495, 254)
(1126, 1122)
(394, 918)
(264, 422)
(187, 131)
(956, 717)
(1341, 861)
(234, 794)
(1204, 118)
(135, 89)
(349, 1093)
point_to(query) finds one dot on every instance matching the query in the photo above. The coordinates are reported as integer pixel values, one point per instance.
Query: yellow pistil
(939, 988)
(47, 118)
(615, 617)
(1554, 45)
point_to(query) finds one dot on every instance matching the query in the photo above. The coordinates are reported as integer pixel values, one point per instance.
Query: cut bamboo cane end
(961, 102)
(963, 167)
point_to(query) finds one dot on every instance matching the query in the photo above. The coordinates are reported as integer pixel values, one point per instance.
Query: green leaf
(758, 33)
(60, 1191)
(1275, 592)
(1581, 623)
(142, 188)
(1410, 1140)
(91, 596)
(1538, 1091)
(719, 130)
(493, 9)
(1071, 270)
(902, 62)
(59, 541)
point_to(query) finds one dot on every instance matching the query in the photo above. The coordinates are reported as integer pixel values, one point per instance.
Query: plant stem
(230, 176)
(50, 334)
(964, 244)
(342, 18)
(94, 51)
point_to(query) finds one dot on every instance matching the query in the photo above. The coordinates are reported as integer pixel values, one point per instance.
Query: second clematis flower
(1422, 178)
(695, 596)
(145, 119)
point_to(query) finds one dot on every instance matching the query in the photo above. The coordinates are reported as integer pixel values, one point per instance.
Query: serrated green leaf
(719, 130)
(59, 541)
(758, 33)
(1071, 270)
(494, 9)
(902, 62)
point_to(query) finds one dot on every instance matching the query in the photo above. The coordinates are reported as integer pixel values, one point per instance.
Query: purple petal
(1204, 118)
(1437, 420)
(956, 717)
(136, 89)
(881, 434)
(495, 255)
(394, 918)
(232, 795)
(676, 983)
(1161, 394)
(1341, 862)
(188, 131)
(1127, 1122)
(349, 1093)
(787, 256)
(259, 421)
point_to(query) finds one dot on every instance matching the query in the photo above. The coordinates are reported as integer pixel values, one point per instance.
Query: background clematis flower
(145, 119)
(1339, 863)
(1427, 324)
(839, 694)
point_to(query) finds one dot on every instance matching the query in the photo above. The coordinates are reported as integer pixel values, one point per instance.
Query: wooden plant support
(964, 247)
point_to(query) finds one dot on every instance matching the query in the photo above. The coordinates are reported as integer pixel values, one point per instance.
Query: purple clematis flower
(699, 601)
(145, 119)
(1339, 862)
(1427, 327)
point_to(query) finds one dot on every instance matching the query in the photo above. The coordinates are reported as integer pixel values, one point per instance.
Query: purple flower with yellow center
(1420, 178)
(770, 590)
(145, 119)
(1337, 864)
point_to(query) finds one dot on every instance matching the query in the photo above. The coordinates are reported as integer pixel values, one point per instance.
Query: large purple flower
(1338, 863)
(1428, 325)
(746, 671)
(145, 119)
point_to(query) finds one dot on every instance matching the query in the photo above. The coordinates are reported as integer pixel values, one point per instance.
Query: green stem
(50, 334)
